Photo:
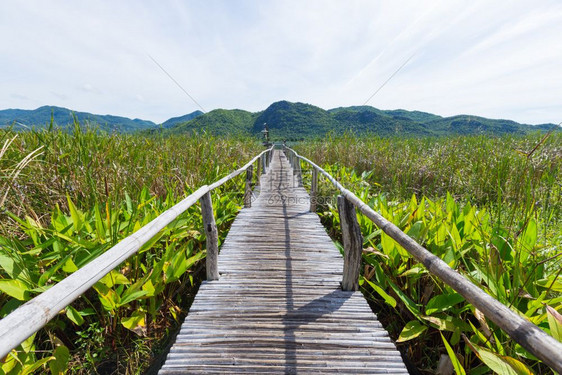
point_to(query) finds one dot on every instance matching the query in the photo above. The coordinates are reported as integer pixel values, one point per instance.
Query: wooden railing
(528, 335)
(36, 313)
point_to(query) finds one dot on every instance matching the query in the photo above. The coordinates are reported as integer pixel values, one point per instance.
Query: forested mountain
(181, 119)
(22, 119)
(284, 119)
(287, 120)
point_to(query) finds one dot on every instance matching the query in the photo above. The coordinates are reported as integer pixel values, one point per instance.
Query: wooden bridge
(284, 301)
(278, 306)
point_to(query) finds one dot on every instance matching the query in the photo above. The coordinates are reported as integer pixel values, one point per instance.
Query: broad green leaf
(481, 336)
(129, 297)
(528, 240)
(136, 323)
(502, 365)
(9, 363)
(417, 231)
(74, 315)
(469, 220)
(441, 235)
(177, 266)
(15, 288)
(51, 271)
(147, 246)
(192, 260)
(77, 241)
(388, 244)
(412, 330)
(148, 287)
(553, 284)
(455, 237)
(110, 300)
(77, 216)
(8, 264)
(415, 270)
(496, 363)
(522, 352)
(99, 224)
(61, 356)
(454, 360)
(30, 369)
(114, 278)
(410, 305)
(442, 302)
(519, 367)
(554, 322)
(447, 324)
(180, 264)
(387, 298)
(129, 203)
(69, 266)
(27, 345)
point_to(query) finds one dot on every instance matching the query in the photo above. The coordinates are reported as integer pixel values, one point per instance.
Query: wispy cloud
(498, 59)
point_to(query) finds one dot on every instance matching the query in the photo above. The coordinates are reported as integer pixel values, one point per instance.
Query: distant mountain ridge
(180, 119)
(64, 117)
(292, 121)
(285, 120)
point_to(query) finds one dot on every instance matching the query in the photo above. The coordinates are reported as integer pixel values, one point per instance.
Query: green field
(491, 207)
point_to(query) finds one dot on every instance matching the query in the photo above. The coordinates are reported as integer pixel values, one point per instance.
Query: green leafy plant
(501, 240)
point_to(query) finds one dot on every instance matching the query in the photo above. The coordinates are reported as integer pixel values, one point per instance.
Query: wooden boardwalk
(278, 306)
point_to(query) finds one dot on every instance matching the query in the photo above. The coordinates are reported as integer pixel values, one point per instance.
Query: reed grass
(91, 167)
(69, 196)
(490, 207)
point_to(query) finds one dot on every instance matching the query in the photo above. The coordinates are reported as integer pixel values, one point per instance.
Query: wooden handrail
(525, 333)
(36, 313)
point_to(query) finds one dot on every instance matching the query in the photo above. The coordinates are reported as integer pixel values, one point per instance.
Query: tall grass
(69, 198)
(93, 167)
(489, 207)
(498, 173)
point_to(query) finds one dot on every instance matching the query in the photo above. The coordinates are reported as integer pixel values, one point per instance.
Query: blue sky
(500, 59)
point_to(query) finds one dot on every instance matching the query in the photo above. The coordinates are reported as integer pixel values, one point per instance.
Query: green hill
(465, 124)
(63, 117)
(22, 119)
(293, 121)
(285, 120)
(181, 119)
(221, 122)
(365, 120)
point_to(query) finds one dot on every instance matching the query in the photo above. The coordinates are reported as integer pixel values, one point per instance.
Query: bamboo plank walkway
(278, 306)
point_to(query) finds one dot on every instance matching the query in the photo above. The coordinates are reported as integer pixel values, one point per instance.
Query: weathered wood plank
(352, 243)
(212, 237)
(278, 306)
(248, 187)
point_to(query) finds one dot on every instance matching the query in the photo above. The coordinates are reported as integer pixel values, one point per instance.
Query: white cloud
(499, 59)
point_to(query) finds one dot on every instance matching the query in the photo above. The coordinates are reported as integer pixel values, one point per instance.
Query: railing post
(314, 190)
(211, 235)
(262, 162)
(258, 173)
(352, 244)
(248, 190)
(268, 159)
(297, 170)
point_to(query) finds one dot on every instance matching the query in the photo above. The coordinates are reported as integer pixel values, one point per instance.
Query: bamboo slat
(278, 306)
